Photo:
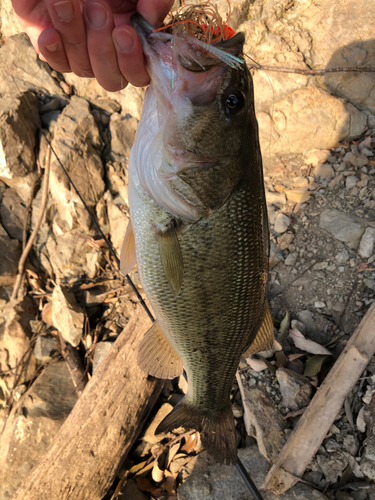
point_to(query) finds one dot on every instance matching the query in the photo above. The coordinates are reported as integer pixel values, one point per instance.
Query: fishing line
(249, 482)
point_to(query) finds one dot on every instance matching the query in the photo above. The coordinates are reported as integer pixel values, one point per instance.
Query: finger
(52, 50)
(154, 11)
(130, 56)
(99, 26)
(68, 21)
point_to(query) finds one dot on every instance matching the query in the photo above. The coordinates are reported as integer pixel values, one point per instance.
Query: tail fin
(218, 433)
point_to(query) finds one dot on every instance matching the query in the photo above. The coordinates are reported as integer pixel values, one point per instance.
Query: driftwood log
(320, 414)
(91, 445)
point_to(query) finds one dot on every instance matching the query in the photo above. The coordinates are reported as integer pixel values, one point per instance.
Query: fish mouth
(192, 54)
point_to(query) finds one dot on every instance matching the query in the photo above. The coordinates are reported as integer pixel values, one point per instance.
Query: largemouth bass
(199, 227)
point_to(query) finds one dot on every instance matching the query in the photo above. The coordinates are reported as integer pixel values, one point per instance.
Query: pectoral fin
(171, 257)
(157, 357)
(264, 338)
(128, 257)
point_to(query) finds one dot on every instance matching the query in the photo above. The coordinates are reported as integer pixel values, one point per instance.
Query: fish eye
(234, 102)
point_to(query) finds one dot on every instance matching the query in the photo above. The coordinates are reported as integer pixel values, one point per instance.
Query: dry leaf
(144, 484)
(141, 470)
(284, 325)
(157, 474)
(257, 365)
(190, 443)
(280, 359)
(361, 423)
(307, 345)
(314, 365)
(296, 366)
(172, 452)
(297, 195)
(292, 357)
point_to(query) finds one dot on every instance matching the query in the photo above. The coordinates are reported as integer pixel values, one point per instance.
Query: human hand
(91, 38)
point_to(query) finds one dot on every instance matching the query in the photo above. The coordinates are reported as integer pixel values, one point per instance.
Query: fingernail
(64, 11)
(124, 41)
(97, 15)
(53, 47)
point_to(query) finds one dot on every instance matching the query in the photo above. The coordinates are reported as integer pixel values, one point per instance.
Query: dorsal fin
(128, 257)
(157, 357)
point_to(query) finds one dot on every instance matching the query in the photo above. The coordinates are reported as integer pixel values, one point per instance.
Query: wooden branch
(319, 416)
(91, 445)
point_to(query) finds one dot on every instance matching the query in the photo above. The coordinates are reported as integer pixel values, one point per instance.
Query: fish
(198, 228)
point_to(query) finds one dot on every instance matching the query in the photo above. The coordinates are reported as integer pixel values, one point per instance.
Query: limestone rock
(282, 222)
(118, 222)
(9, 22)
(67, 315)
(18, 125)
(32, 425)
(123, 130)
(342, 226)
(29, 73)
(367, 244)
(44, 347)
(12, 249)
(77, 142)
(13, 214)
(220, 482)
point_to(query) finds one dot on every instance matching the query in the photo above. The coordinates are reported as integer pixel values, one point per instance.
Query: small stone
(342, 226)
(285, 240)
(297, 324)
(336, 181)
(282, 222)
(237, 411)
(67, 315)
(307, 318)
(294, 392)
(275, 198)
(331, 445)
(279, 254)
(342, 257)
(325, 171)
(367, 244)
(44, 346)
(319, 266)
(319, 304)
(291, 259)
(350, 444)
(350, 182)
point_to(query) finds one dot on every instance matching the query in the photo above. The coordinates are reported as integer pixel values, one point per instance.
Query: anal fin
(264, 338)
(128, 257)
(157, 357)
(171, 256)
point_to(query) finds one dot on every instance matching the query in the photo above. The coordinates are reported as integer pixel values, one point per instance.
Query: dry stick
(76, 370)
(25, 253)
(28, 210)
(320, 414)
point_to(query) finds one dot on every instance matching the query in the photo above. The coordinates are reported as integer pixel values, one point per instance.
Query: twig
(71, 356)
(28, 210)
(25, 253)
(314, 71)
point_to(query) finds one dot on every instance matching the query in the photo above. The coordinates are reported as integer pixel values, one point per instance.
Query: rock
(19, 119)
(12, 250)
(319, 304)
(306, 317)
(367, 244)
(291, 259)
(262, 421)
(295, 393)
(106, 105)
(123, 130)
(13, 214)
(282, 222)
(44, 347)
(275, 198)
(343, 227)
(67, 315)
(297, 324)
(23, 185)
(220, 482)
(32, 73)
(149, 436)
(101, 351)
(130, 490)
(336, 181)
(279, 254)
(15, 348)
(342, 257)
(118, 222)
(9, 22)
(350, 182)
(32, 425)
(325, 171)
(77, 142)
